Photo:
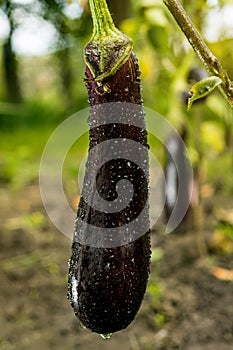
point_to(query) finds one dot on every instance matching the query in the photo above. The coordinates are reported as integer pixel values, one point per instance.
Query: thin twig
(211, 63)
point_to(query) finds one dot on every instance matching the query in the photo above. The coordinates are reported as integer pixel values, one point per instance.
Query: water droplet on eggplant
(106, 336)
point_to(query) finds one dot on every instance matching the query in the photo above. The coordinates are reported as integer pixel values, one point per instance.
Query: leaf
(203, 88)
(223, 274)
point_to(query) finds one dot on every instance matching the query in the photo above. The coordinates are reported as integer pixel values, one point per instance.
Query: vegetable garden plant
(107, 283)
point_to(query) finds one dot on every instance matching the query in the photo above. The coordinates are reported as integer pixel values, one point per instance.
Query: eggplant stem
(108, 44)
(102, 20)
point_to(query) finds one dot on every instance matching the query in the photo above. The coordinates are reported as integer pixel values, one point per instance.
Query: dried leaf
(222, 274)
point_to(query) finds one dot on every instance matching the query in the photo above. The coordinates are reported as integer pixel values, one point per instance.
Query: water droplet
(82, 325)
(106, 336)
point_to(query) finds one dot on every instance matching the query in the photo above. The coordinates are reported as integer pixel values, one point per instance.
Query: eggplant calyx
(109, 49)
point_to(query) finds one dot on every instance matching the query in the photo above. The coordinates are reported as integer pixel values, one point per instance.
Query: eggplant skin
(106, 285)
(123, 86)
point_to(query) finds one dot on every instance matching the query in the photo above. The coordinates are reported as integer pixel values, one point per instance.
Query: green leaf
(203, 88)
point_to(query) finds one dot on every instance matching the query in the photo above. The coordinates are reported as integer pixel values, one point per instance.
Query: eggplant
(109, 264)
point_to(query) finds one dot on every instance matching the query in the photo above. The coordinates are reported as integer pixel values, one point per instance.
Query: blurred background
(188, 304)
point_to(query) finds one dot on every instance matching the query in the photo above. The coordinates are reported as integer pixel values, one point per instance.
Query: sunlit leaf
(203, 88)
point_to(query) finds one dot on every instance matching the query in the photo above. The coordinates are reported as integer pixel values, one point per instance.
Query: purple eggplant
(107, 282)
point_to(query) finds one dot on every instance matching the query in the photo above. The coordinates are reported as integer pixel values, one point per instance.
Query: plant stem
(102, 20)
(108, 48)
(211, 63)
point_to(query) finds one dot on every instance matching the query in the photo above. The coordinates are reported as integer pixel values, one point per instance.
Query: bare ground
(194, 309)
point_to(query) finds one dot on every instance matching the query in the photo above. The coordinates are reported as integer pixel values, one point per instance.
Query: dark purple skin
(106, 285)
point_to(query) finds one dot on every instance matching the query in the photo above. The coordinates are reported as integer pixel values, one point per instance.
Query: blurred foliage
(31, 221)
(154, 291)
(56, 79)
(29, 260)
(223, 239)
(21, 151)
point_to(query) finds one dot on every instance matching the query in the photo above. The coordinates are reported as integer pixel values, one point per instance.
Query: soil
(191, 309)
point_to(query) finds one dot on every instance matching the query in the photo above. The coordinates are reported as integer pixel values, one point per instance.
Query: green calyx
(108, 48)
